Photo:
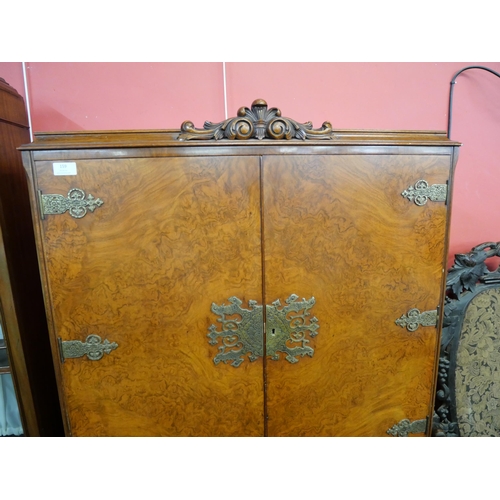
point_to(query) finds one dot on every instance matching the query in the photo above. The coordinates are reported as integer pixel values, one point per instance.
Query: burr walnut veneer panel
(348, 238)
(142, 271)
(187, 227)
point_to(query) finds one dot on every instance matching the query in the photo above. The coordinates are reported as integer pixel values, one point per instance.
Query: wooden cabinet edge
(28, 164)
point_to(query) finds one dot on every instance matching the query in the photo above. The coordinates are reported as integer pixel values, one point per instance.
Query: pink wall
(413, 96)
(12, 73)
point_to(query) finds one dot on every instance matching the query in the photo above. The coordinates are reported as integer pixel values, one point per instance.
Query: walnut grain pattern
(173, 236)
(338, 229)
(180, 229)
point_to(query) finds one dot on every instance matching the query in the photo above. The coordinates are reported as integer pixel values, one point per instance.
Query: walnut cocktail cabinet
(257, 277)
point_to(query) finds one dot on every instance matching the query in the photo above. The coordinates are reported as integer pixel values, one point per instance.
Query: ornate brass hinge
(405, 427)
(421, 192)
(93, 348)
(414, 318)
(242, 330)
(75, 203)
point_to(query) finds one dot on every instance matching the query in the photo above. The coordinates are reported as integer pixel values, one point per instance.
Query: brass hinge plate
(422, 192)
(413, 319)
(75, 203)
(405, 427)
(93, 347)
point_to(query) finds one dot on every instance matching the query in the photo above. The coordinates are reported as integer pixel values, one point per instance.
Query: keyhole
(273, 331)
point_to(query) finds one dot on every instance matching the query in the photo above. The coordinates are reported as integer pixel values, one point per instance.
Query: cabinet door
(141, 271)
(336, 228)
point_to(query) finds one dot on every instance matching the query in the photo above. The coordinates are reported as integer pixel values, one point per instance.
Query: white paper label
(66, 168)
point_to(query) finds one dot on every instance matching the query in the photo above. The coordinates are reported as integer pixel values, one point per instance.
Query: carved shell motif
(256, 123)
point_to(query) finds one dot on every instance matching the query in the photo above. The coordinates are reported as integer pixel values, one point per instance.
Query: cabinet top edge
(169, 138)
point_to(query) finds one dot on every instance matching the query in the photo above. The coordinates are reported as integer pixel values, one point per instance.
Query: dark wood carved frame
(468, 277)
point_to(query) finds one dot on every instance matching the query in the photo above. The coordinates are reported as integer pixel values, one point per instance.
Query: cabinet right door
(337, 228)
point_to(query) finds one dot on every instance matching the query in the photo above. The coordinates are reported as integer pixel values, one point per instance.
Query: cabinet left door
(129, 288)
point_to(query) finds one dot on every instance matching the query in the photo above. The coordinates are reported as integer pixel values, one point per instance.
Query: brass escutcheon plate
(242, 330)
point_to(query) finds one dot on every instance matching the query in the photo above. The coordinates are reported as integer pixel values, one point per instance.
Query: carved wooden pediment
(259, 122)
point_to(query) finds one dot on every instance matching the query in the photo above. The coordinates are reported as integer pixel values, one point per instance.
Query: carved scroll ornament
(259, 122)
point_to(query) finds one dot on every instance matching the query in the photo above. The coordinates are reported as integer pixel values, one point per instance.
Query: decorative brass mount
(93, 348)
(421, 192)
(256, 123)
(242, 330)
(75, 203)
(414, 318)
(405, 427)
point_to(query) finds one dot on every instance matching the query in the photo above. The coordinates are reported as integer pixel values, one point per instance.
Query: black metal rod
(452, 83)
